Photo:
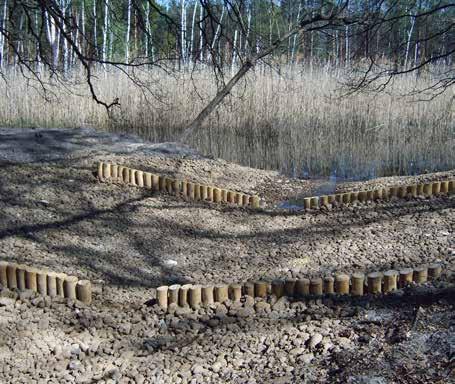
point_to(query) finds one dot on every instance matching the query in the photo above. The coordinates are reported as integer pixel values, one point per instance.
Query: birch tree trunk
(147, 28)
(2, 38)
(127, 37)
(183, 31)
(201, 36)
(105, 30)
(95, 32)
(408, 43)
(193, 23)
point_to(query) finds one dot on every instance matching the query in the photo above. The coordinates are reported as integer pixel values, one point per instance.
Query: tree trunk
(127, 36)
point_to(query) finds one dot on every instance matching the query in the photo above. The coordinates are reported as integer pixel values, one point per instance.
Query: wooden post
(176, 187)
(30, 279)
(451, 187)
(155, 183)
(316, 286)
(239, 199)
(235, 292)
(260, 289)
(434, 271)
(248, 289)
(420, 274)
(140, 179)
(114, 171)
(216, 195)
(168, 185)
(231, 197)
(148, 180)
(445, 187)
(342, 284)
(346, 198)
(255, 202)
(133, 177)
(246, 200)
(120, 173)
(354, 197)
(402, 192)
(173, 294)
(69, 287)
(224, 196)
(314, 202)
(61, 277)
(332, 199)
(210, 193)
(374, 282)
(125, 175)
(307, 202)
(427, 189)
(358, 282)
(52, 284)
(221, 293)
(194, 296)
(84, 291)
(390, 280)
(197, 192)
(436, 189)
(289, 287)
(3, 274)
(106, 171)
(100, 170)
(162, 183)
(339, 198)
(191, 191)
(11, 275)
(412, 190)
(393, 192)
(207, 294)
(183, 295)
(385, 194)
(420, 190)
(204, 192)
(378, 194)
(302, 287)
(278, 288)
(405, 277)
(161, 296)
(20, 277)
(324, 201)
(362, 196)
(328, 285)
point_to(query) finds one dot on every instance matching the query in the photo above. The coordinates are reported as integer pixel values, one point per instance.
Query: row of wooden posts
(356, 285)
(22, 277)
(425, 190)
(187, 189)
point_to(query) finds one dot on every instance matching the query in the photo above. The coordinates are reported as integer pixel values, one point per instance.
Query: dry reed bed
(357, 284)
(44, 282)
(296, 122)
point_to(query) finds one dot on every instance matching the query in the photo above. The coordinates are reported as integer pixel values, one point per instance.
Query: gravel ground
(55, 214)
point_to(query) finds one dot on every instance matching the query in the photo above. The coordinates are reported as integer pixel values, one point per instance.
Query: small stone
(7, 302)
(262, 306)
(74, 365)
(315, 340)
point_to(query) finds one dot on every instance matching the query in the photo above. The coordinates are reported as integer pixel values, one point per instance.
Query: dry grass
(294, 122)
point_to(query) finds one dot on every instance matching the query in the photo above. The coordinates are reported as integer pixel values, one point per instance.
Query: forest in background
(156, 65)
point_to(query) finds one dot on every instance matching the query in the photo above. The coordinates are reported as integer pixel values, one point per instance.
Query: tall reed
(295, 122)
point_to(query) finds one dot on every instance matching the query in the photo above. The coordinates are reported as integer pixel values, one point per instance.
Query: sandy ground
(54, 213)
